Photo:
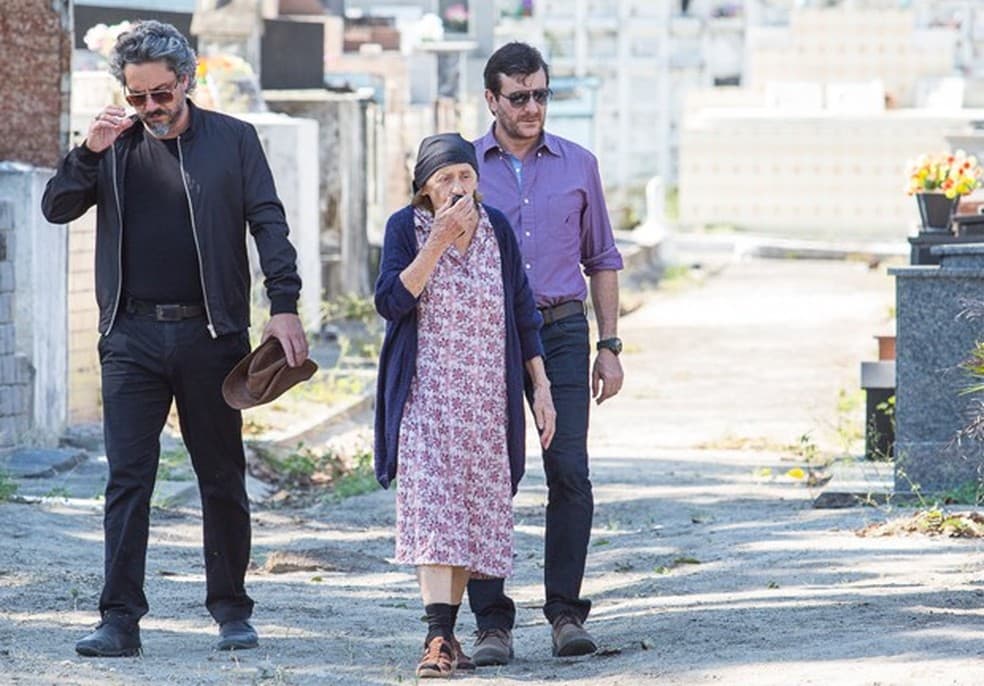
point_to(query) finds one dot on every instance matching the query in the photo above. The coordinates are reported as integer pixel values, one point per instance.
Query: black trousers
(570, 504)
(146, 364)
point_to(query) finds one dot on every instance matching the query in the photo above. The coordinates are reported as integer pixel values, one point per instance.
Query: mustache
(147, 115)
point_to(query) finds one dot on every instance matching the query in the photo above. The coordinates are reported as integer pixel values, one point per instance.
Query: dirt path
(704, 568)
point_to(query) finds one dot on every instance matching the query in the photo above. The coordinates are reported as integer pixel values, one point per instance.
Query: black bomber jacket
(228, 185)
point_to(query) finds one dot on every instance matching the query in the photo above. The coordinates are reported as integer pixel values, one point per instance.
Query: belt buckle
(167, 313)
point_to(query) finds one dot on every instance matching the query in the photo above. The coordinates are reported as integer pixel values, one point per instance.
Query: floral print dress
(454, 494)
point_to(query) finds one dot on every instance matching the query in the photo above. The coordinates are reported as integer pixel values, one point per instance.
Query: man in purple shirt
(550, 190)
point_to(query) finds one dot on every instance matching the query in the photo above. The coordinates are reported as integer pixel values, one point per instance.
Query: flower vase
(936, 212)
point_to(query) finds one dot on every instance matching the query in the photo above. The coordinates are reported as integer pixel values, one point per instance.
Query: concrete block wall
(39, 254)
(840, 174)
(855, 45)
(15, 391)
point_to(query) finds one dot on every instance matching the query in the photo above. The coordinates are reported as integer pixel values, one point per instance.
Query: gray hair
(154, 41)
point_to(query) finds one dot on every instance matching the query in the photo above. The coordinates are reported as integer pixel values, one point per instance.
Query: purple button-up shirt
(557, 208)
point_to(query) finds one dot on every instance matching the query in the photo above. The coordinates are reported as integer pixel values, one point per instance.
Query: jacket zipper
(119, 251)
(198, 248)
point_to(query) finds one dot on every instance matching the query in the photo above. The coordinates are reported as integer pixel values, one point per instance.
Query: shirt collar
(488, 143)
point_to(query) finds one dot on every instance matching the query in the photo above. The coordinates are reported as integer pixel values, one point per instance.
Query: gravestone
(934, 335)
(232, 27)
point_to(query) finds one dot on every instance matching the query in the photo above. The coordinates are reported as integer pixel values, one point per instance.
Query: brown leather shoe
(463, 662)
(438, 660)
(570, 638)
(493, 647)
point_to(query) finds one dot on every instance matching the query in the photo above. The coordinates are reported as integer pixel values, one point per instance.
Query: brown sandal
(438, 660)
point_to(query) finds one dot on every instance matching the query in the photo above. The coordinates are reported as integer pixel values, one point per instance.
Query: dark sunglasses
(520, 98)
(161, 96)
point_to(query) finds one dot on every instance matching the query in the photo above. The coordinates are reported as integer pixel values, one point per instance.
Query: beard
(512, 127)
(159, 126)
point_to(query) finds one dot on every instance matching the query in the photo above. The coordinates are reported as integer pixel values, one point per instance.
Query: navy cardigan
(398, 357)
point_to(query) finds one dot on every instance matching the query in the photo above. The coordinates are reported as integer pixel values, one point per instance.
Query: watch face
(613, 344)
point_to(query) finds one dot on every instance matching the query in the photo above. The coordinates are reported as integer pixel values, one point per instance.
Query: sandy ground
(708, 565)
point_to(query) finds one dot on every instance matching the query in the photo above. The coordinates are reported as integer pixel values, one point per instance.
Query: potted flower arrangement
(456, 18)
(938, 181)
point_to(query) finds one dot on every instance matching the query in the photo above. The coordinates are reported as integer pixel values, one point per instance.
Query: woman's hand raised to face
(453, 220)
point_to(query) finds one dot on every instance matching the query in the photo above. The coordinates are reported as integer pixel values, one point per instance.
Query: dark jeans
(146, 363)
(570, 505)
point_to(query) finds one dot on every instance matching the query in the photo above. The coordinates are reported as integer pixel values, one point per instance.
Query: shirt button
(527, 233)
(526, 201)
(539, 154)
(528, 266)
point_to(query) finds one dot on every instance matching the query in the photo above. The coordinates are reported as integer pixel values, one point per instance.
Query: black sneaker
(237, 634)
(570, 638)
(112, 638)
(493, 647)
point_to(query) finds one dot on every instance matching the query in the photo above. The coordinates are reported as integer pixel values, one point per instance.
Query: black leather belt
(163, 312)
(558, 312)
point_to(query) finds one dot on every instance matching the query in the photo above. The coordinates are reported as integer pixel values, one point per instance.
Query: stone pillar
(344, 183)
(35, 68)
(933, 337)
(292, 152)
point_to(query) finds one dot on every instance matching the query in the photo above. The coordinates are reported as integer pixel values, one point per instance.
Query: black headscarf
(439, 151)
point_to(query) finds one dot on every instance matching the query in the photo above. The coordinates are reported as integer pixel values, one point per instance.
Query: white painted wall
(291, 146)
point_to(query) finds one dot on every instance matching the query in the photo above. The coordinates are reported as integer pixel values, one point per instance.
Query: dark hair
(513, 59)
(152, 41)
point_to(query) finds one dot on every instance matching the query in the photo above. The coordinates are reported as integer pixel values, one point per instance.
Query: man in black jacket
(174, 188)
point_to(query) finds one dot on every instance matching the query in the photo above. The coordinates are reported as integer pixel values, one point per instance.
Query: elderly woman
(461, 329)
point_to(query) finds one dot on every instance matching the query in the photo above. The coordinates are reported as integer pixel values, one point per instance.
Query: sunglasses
(520, 98)
(161, 96)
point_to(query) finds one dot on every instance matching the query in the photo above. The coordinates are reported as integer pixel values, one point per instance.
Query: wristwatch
(614, 344)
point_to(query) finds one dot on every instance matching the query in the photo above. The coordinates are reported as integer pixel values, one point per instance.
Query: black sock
(454, 616)
(439, 621)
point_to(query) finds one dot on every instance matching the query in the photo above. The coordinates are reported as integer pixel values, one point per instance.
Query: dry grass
(933, 522)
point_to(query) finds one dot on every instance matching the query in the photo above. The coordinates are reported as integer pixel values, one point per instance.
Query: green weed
(359, 479)
(848, 429)
(305, 469)
(174, 465)
(7, 486)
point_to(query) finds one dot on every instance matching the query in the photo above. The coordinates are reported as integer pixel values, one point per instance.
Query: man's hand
(606, 376)
(107, 127)
(287, 329)
(544, 414)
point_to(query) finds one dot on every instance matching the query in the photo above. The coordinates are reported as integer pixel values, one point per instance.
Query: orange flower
(954, 173)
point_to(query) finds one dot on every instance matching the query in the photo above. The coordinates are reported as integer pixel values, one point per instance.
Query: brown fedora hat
(263, 375)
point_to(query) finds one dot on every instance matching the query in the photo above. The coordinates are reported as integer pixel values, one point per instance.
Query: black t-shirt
(160, 263)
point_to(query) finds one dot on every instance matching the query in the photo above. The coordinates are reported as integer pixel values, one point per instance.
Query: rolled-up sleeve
(598, 249)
